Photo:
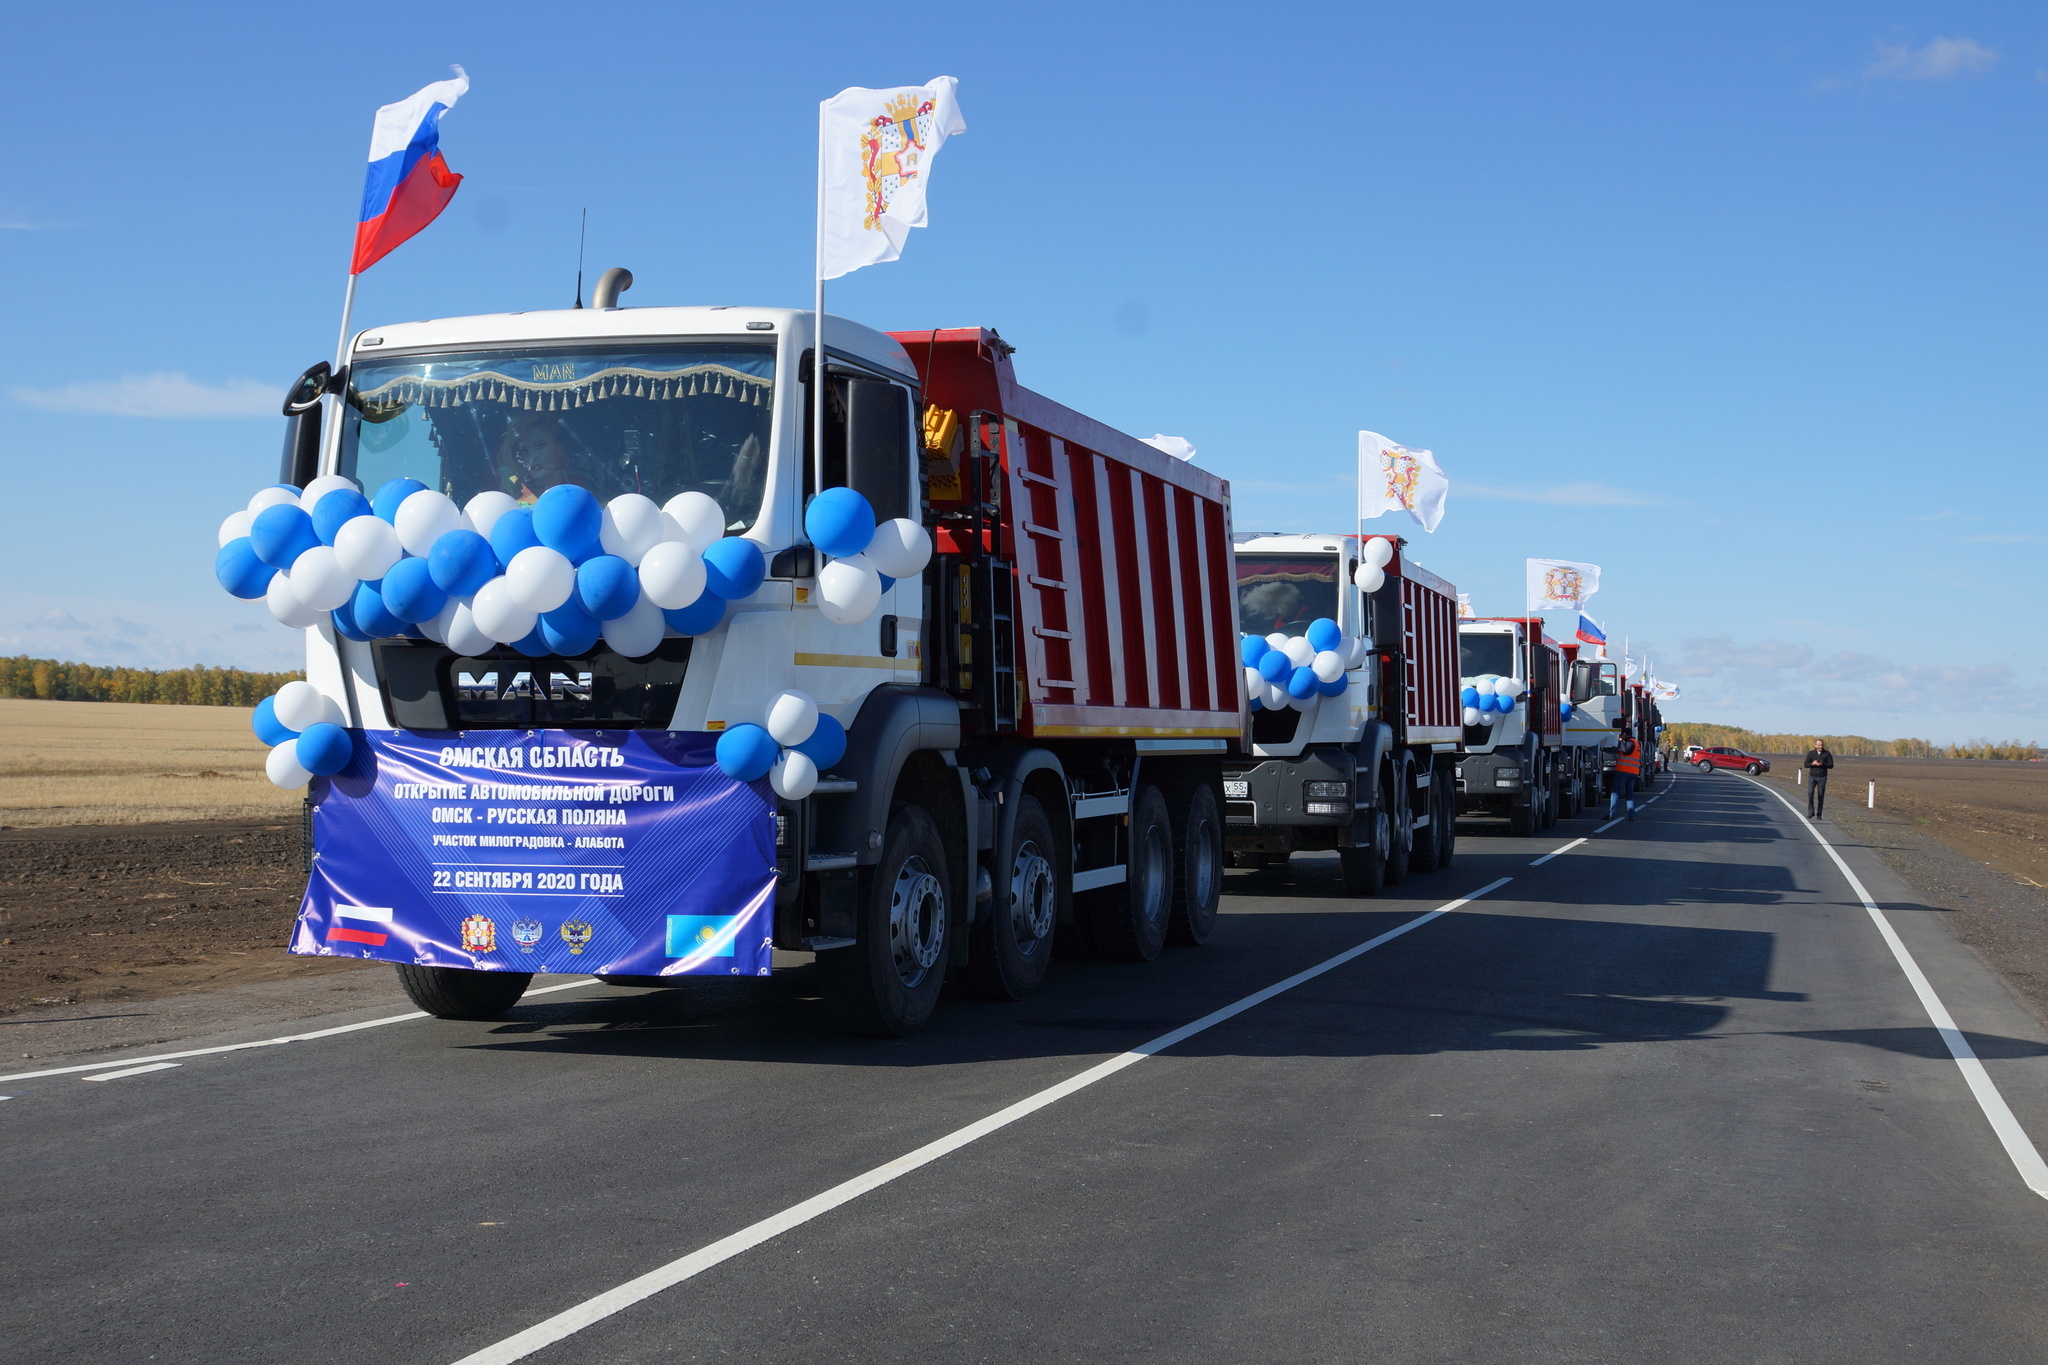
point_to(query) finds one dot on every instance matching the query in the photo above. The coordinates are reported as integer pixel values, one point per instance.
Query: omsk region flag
(875, 151)
(409, 184)
(1590, 632)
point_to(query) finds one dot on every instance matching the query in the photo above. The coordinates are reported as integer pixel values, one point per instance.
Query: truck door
(868, 442)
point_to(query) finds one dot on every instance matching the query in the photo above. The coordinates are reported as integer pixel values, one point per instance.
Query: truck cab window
(868, 443)
(1282, 594)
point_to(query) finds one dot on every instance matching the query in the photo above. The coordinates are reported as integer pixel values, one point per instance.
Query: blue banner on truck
(606, 851)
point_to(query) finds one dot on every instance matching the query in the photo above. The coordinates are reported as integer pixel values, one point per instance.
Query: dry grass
(113, 763)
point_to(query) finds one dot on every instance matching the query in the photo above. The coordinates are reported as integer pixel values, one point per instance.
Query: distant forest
(55, 680)
(1679, 734)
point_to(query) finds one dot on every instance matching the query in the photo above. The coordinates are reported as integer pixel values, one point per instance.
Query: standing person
(1628, 765)
(1818, 761)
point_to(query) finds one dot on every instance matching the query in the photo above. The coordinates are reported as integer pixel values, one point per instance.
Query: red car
(1708, 759)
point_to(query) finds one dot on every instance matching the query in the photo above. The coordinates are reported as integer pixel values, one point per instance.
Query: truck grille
(429, 687)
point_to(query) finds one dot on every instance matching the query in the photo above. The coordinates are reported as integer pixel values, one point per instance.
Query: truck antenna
(581, 232)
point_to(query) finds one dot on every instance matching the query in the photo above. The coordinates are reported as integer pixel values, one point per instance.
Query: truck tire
(1422, 847)
(887, 984)
(1012, 946)
(1447, 812)
(1400, 825)
(1547, 810)
(1364, 866)
(1198, 862)
(459, 993)
(1569, 800)
(1127, 922)
(1522, 815)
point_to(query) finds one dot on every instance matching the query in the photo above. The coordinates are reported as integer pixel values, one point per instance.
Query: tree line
(56, 680)
(1679, 734)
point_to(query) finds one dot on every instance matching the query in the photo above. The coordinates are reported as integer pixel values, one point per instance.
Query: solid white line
(1557, 851)
(132, 1071)
(273, 1042)
(573, 1320)
(2025, 1157)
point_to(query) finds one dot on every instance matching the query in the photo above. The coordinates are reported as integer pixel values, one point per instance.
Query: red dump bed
(1118, 555)
(1428, 648)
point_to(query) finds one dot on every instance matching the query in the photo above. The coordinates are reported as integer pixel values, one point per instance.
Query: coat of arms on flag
(890, 149)
(875, 150)
(1394, 478)
(1561, 584)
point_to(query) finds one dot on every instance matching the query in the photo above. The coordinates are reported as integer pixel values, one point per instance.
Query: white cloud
(1943, 59)
(157, 395)
(56, 618)
(1721, 675)
(1564, 495)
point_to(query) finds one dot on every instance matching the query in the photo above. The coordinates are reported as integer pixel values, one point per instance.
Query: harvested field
(114, 763)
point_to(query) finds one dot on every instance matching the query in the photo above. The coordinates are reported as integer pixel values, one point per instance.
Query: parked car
(1690, 751)
(1711, 757)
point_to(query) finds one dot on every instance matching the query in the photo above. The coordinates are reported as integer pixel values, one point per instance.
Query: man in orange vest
(1628, 766)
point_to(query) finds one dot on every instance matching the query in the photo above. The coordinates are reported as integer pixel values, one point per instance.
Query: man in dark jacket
(1818, 761)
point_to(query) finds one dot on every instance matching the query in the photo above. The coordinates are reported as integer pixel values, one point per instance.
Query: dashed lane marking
(1556, 852)
(133, 1071)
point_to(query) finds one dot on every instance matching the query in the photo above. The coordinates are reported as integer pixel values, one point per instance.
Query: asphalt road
(1667, 1096)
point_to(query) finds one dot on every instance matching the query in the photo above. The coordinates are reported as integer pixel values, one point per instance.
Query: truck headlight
(1326, 791)
(1326, 807)
(1507, 779)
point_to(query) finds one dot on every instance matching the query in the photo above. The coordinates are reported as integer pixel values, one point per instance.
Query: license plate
(1239, 787)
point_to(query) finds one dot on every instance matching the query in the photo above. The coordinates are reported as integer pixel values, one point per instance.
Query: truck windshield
(1282, 594)
(653, 419)
(1479, 655)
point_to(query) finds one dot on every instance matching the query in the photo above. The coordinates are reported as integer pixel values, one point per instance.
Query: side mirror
(308, 389)
(1620, 724)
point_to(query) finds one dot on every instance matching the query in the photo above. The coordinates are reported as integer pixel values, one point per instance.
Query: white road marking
(2026, 1158)
(133, 1071)
(1556, 851)
(273, 1042)
(1640, 807)
(590, 1311)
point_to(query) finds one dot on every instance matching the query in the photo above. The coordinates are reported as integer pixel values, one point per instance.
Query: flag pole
(331, 440)
(818, 333)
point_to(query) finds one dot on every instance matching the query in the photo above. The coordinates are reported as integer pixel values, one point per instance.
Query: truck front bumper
(1485, 781)
(1268, 805)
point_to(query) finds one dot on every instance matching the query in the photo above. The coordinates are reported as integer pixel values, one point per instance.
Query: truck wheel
(1547, 807)
(1198, 865)
(459, 993)
(887, 984)
(1365, 866)
(1422, 850)
(1447, 812)
(1013, 942)
(1569, 802)
(1522, 816)
(1128, 922)
(1400, 825)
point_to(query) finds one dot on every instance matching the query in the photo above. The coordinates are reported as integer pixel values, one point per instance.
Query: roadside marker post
(1873, 796)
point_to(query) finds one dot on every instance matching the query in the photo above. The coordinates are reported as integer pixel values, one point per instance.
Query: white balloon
(1379, 552)
(367, 547)
(271, 497)
(1278, 640)
(436, 628)
(1370, 577)
(322, 486)
(539, 579)
(236, 526)
(1303, 703)
(699, 518)
(1355, 650)
(464, 636)
(319, 581)
(849, 590)
(1472, 715)
(424, 518)
(794, 775)
(300, 704)
(283, 767)
(792, 716)
(631, 527)
(1275, 697)
(1254, 683)
(1299, 651)
(672, 575)
(285, 605)
(1507, 687)
(1328, 666)
(500, 616)
(639, 631)
(901, 548)
(484, 509)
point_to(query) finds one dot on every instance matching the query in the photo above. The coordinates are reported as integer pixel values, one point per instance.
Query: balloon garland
(551, 578)
(1284, 671)
(1489, 697)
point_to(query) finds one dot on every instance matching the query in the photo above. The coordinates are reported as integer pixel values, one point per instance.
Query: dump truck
(1591, 734)
(1369, 772)
(1511, 677)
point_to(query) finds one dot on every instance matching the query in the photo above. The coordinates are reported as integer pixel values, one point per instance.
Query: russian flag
(409, 184)
(1590, 632)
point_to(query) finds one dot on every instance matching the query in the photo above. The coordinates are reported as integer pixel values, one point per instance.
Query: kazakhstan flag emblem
(692, 934)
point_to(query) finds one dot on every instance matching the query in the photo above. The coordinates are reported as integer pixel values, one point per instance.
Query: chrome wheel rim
(917, 921)
(1032, 898)
(1203, 872)
(1151, 858)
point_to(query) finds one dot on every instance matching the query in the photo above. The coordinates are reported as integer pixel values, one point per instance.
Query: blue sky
(1742, 303)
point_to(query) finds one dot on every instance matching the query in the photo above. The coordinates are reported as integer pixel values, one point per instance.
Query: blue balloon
(1333, 688)
(324, 749)
(701, 615)
(345, 623)
(460, 563)
(567, 518)
(268, 727)
(1488, 701)
(1274, 665)
(1303, 682)
(569, 629)
(511, 533)
(385, 502)
(281, 534)
(1252, 648)
(410, 593)
(1564, 709)
(607, 586)
(1324, 635)
(534, 646)
(747, 752)
(337, 509)
(1468, 696)
(734, 567)
(371, 616)
(887, 582)
(240, 571)
(840, 522)
(827, 744)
